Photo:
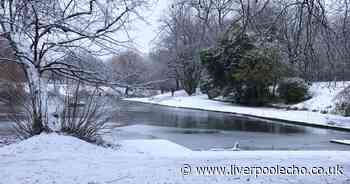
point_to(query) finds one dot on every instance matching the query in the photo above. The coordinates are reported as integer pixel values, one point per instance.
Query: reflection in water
(194, 131)
(203, 130)
(237, 124)
(136, 113)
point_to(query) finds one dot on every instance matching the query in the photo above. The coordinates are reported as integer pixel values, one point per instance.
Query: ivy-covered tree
(253, 76)
(240, 69)
(222, 60)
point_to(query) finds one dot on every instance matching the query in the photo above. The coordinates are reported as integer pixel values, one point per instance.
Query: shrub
(80, 113)
(253, 76)
(324, 111)
(342, 102)
(84, 115)
(343, 108)
(20, 109)
(293, 90)
(241, 70)
(207, 87)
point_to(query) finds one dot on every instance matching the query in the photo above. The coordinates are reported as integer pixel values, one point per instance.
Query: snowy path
(65, 160)
(202, 102)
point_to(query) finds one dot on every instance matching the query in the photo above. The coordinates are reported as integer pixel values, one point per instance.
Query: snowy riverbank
(323, 95)
(61, 159)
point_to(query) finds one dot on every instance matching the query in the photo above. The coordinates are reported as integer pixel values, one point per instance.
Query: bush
(342, 102)
(293, 90)
(252, 96)
(343, 108)
(20, 109)
(242, 71)
(79, 113)
(207, 87)
(84, 115)
(253, 76)
(26, 122)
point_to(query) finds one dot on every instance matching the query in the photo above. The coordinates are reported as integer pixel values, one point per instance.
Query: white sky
(145, 32)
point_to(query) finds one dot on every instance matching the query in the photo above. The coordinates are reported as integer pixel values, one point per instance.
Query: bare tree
(159, 59)
(129, 68)
(184, 35)
(42, 32)
(302, 30)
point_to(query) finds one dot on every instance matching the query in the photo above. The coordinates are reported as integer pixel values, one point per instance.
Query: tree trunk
(127, 91)
(38, 98)
(177, 84)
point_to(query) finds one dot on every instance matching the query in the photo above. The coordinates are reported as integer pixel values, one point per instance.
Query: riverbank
(302, 117)
(54, 158)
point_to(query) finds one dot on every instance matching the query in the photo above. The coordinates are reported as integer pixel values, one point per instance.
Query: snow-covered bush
(207, 87)
(16, 98)
(84, 115)
(26, 125)
(241, 70)
(293, 90)
(141, 93)
(342, 102)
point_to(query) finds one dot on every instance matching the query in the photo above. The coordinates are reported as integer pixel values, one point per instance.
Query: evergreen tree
(240, 69)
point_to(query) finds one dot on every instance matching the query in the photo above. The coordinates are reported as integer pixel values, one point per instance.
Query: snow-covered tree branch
(41, 33)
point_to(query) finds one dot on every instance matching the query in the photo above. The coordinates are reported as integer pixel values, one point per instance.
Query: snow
(347, 142)
(155, 147)
(322, 98)
(52, 158)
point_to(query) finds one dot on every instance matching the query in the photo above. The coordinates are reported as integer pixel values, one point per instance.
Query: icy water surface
(203, 130)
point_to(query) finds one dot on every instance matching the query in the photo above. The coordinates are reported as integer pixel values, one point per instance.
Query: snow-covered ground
(347, 142)
(60, 159)
(323, 95)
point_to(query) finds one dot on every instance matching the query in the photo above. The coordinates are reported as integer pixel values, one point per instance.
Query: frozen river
(203, 130)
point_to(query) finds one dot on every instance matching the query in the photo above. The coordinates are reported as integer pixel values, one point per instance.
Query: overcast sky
(143, 32)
